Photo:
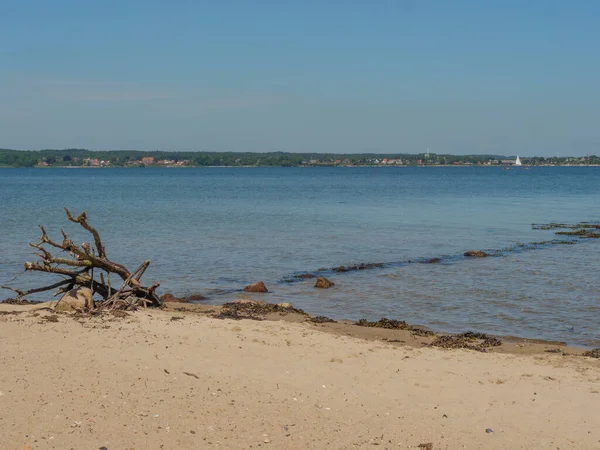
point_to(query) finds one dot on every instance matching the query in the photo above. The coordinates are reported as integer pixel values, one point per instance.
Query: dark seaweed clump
(595, 353)
(421, 332)
(390, 324)
(322, 319)
(469, 340)
(554, 242)
(582, 230)
(362, 266)
(585, 233)
(19, 301)
(255, 311)
(564, 226)
(51, 318)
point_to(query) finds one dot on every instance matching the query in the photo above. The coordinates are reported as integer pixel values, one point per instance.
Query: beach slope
(173, 380)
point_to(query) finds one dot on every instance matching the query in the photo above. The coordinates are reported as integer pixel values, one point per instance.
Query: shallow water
(214, 230)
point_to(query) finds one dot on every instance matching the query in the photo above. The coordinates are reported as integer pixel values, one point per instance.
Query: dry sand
(174, 380)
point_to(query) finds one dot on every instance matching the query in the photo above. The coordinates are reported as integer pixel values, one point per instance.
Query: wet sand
(183, 379)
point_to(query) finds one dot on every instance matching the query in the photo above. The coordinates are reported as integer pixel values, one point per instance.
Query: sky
(341, 76)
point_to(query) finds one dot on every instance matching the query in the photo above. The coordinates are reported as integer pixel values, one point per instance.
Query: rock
(476, 254)
(195, 297)
(256, 287)
(244, 301)
(285, 305)
(324, 283)
(170, 298)
(76, 300)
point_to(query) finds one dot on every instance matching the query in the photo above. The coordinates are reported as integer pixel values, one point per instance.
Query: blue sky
(326, 76)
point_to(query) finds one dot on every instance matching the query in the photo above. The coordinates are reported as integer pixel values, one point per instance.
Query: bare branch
(82, 220)
(40, 289)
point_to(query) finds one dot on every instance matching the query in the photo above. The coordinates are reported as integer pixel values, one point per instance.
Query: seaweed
(51, 318)
(19, 301)
(384, 322)
(467, 340)
(322, 319)
(594, 353)
(557, 226)
(254, 311)
(585, 233)
(421, 332)
(354, 267)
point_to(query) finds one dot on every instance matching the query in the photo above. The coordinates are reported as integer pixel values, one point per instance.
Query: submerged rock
(324, 283)
(476, 254)
(432, 261)
(259, 286)
(170, 298)
(76, 300)
(194, 297)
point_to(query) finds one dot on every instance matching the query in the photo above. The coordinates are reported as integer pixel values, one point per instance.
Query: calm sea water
(214, 230)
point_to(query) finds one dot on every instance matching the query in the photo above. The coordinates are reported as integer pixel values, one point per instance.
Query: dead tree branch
(78, 270)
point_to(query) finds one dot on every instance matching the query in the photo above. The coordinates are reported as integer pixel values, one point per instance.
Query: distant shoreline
(306, 167)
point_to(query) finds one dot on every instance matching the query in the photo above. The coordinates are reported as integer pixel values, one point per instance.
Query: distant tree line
(124, 158)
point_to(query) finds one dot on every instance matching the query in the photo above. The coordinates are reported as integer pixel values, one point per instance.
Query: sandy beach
(173, 379)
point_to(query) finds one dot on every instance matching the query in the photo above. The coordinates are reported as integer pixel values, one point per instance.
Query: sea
(212, 231)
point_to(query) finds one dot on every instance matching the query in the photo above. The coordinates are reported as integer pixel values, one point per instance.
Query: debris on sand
(384, 322)
(469, 340)
(51, 318)
(19, 301)
(595, 353)
(392, 324)
(415, 331)
(254, 310)
(322, 319)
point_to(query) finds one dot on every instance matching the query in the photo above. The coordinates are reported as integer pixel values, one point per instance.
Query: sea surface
(215, 230)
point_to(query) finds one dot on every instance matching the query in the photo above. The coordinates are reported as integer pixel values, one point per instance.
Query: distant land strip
(136, 158)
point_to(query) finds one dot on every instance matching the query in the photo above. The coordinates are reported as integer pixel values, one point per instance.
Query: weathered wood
(79, 270)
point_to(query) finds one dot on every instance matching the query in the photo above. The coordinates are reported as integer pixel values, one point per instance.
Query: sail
(518, 161)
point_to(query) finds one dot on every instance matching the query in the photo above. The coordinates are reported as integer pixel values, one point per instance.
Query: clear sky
(454, 76)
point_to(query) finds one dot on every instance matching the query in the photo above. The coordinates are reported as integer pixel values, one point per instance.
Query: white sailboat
(518, 161)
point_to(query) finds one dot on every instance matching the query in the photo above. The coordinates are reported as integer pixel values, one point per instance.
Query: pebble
(489, 430)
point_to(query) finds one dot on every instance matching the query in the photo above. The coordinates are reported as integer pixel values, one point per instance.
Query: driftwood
(77, 270)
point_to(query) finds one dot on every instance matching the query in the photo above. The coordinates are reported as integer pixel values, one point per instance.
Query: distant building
(148, 160)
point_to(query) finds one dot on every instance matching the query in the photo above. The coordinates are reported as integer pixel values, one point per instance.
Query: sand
(179, 380)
